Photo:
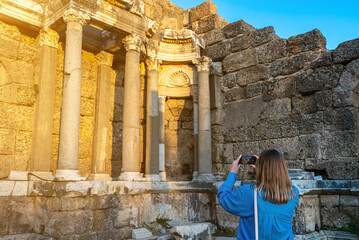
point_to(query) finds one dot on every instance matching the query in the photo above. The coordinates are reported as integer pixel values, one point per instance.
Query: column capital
(203, 63)
(153, 63)
(48, 37)
(105, 58)
(133, 42)
(72, 15)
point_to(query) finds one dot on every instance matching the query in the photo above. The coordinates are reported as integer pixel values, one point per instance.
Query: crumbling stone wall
(290, 94)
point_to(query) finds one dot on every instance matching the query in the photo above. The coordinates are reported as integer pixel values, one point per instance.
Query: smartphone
(248, 160)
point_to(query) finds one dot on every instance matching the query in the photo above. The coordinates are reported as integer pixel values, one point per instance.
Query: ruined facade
(117, 112)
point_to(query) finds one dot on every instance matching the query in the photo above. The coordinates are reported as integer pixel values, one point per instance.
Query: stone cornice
(153, 63)
(133, 42)
(48, 37)
(72, 15)
(105, 58)
(203, 64)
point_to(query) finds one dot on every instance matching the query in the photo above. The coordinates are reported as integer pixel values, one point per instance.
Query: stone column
(67, 165)
(195, 136)
(40, 160)
(162, 107)
(152, 121)
(102, 118)
(131, 110)
(204, 120)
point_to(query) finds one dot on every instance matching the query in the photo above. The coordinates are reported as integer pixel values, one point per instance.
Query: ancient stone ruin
(119, 114)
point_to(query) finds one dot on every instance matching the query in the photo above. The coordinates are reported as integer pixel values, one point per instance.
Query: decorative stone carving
(48, 37)
(105, 58)
(202, 63)
(133, 42)
(138, 8)
(72, 15)
(153, 63)
(152, 47)
(178, 79)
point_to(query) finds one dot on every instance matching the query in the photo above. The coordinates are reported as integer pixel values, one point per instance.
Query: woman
(276, 199)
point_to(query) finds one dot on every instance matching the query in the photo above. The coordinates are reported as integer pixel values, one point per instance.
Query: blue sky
(337, 20)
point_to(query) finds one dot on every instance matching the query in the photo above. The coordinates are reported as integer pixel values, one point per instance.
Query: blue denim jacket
(274, 220)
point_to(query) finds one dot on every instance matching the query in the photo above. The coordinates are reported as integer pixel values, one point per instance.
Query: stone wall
(290, 94)
(97, 210)
(19, 66)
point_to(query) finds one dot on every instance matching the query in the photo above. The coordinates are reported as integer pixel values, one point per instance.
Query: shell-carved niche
(178, 79)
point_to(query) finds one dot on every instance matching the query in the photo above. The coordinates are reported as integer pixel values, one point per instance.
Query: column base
(99, 177)
(130, 176)
(68, 176)
(205, 177)
(163, 176)
(195, 176)
(151, 178)
(30, 176)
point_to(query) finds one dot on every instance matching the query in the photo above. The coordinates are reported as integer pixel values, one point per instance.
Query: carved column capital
(153, 63)
(133, 42)
(105, 58)
(203, 63)
(48, 37)
(72, 15)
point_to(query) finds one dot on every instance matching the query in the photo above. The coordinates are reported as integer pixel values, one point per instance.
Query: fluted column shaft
(152, 121)
(102, 118)
(40, 160)
(204, 121)
(131, 109)
(71, 99)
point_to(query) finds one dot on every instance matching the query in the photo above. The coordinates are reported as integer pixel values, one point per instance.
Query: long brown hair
(272, 177)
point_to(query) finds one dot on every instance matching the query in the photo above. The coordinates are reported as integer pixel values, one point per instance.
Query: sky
(338, 20)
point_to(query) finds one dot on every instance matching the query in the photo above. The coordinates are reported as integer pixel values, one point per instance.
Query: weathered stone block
(25, 95)
(7, 141)
(313, 40)
(216, 94)
(324, 59)
(343, 98)
(240, 43)
(254, 89)
(309, 146)
(252, 75)
(213, 36)
(230, 80)
(218, 51)
(323, 99)
(216, 69)
(208, 23)
(239, 60)
(340, 119)
(289, 127)
(319, 79)
(234, 94)
(277, 108)
(272, 51)
(192, 231)
(307, 215)
(245, 148)
(329, 201)
(261, 36)
(205, 9)
(279, 88)
(291, 65)
(338, 144)
(349, 78)
(222, 153)
(287, 146)
(346, 51)
(304, 104)
(9, 48)
(307, 124)
(349, 201)
(239, 27)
